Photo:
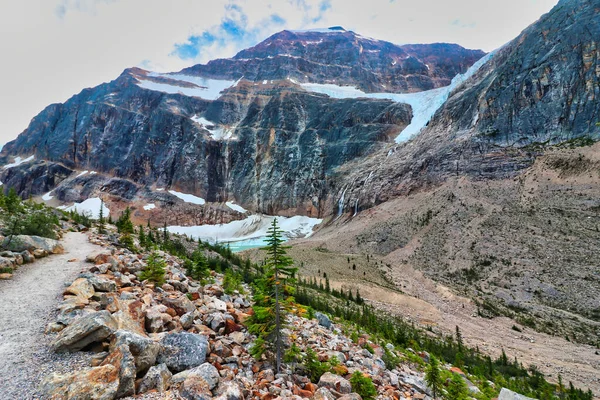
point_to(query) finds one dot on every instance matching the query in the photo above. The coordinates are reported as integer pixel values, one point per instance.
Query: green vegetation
(155, 270)
(433, 376)
(363, 385)
(26, 217)
(457, 388)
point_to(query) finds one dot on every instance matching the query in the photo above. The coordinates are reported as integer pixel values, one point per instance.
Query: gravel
(27, 304)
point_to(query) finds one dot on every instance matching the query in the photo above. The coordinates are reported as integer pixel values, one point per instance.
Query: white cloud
(52, 49)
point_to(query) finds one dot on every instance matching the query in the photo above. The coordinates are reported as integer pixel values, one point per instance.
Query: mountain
(261, 139)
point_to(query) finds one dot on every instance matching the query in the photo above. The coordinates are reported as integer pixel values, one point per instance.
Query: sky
(52, 49)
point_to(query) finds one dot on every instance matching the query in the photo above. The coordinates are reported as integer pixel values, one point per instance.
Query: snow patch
(18, 161)
(149, 207)
(89, 207)
(235, 207)
(208, 89)
(217, 132)
(47, 196)
(82, 173)
(188, 198)
(424, 104)
(253, 227)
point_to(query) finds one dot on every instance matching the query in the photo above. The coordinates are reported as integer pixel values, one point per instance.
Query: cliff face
(345, 58)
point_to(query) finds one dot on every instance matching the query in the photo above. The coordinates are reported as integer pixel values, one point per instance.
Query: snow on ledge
(149, 207)
(235, 207)
(18, 161)
(188, 198)
(47, 196)
(208, 89)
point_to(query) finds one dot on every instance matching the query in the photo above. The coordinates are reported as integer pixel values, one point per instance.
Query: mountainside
(263, 140)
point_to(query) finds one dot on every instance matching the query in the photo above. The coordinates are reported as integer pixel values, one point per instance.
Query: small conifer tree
(155, 270)
(433, 376)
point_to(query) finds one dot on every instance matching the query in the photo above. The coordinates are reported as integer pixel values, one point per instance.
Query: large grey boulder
(181, 351)
(84, 331)
(206, 371)
(323, 320)
(124, 361)
(335, 382)
(144, 349)
(21, 243)
(99, 383)
(158, 377)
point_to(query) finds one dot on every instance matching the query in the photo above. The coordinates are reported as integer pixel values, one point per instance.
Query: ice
(235, 207)
(216, 132)
(319, 30)
(188, 198)
(252, 228)
(209, 89)
(47, 196)
(424, 104)
(89, 207)
(82, 173)
(18, 161)
(149, 207)
(160, 189)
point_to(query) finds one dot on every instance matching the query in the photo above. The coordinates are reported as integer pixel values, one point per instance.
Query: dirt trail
(26, 304)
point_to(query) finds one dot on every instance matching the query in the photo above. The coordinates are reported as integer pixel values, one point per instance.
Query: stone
(84, 331)
(231, 326)
(217, 321)
(323, 320)
(144, 350)
(5, 276)
(187, 320)
(229, 391)
(157, 378)
(99, 383)
(28, 258)
(506, 394)
(181, 351)
(102, 283)
(195, 388)
(81, 287)
(335, 382)
(351, 396)
(206, 371)
(123, 360)
(54, 327)
(21, 243)
(130, 316)
(180, 304)
(323, 394)
(40, 253)
(154, 320)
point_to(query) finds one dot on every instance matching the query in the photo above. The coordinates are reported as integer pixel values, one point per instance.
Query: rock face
(346, 58)
(265, 142)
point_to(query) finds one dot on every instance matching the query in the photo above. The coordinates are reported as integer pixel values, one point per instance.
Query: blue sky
(67, 45)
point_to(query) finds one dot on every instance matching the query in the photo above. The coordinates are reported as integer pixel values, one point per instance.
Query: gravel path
(27, 304)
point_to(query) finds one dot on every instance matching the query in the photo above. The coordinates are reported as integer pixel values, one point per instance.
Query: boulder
(351, 396)
(81, 287)
(206, 371)
(144, 349)
(28, 258)
(40, 253)
(84, 331)
(195, 388)
(335, 382)
(102, 283)
(99, 383)
(323, 394)
(157, 378)
(229, 391)
(130, 316)
(122, 359)
(506, 394)
(187, 320)
(323, 320)
(5, 276)
(180, 304)
(6, 262)
(20, 243)
(181, 351)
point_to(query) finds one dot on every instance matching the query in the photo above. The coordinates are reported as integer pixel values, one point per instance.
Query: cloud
(67, 45)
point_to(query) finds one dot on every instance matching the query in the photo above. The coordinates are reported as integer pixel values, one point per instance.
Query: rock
(195, 388)
(81, 287)
(40, 253)
(144, 350)
(28, 258)
(5, 276)
(334, 382)
(206, 371)
(6, 262)
(158, 377)
(323, 320)
(187, 320)
(85, 330)
(102, 283)
(506, 394)
(217, 321)
(122, 359)
(99, 383)
(231, 326)
(155, 320)
(180, 304)
(53, 327)
(130, 316)
(215, 304)
(181, 351)
(351, 396)
(230, 391)
(323, 394)
(21, 243)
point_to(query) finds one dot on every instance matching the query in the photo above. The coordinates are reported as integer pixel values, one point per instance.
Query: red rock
(231, 326)
(302, 393)
(311, 387)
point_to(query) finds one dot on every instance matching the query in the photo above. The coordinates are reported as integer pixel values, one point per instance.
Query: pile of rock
(24, 249)
(187, 340)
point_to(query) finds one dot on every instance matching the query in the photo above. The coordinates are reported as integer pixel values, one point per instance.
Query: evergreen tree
(155, 270)
(457, 388)
(124, 224)
(433, 376)
(142, 237)
(101, 227)
(272, 297)
(363, 385)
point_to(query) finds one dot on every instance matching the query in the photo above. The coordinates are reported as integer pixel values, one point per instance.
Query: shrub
(314, 367)
(457, 388)
(363, 385)
(232, 282)
(390, 359)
